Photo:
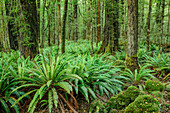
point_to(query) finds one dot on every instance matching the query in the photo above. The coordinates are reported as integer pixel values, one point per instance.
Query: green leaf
(65, 85)
(55, 97)
(49, 83)
(50, 99)
(4, 105)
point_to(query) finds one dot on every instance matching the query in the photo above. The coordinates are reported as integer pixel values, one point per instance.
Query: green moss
(169, 96)
(124, 98)
(142, 104)
(168, 87)
(157, 94)
(153, 85)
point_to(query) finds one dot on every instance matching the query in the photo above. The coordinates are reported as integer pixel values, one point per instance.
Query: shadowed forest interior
(84, 56)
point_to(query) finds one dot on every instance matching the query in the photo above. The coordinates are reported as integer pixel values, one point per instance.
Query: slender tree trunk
(98, 23)
(64, 26)
(1, 43)
(91, 27)
(162, 19)
(168, 35)
(132, 35)
(148, 30)
(75, 21)
(59, 22)
(43, 25)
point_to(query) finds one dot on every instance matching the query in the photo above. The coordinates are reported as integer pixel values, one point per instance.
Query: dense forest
(84, 56)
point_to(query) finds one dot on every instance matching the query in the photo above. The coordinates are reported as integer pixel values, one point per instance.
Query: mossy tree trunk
(132, 35)
(64, 27)
(12, 30)
(111, 29)
(32, 20)
(162, 22)
(148, 30)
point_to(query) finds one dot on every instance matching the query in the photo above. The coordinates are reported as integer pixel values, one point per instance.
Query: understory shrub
(153, 85)
(143, 104)
(124, 98)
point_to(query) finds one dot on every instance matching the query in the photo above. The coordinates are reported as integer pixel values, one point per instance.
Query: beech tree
(132, 35)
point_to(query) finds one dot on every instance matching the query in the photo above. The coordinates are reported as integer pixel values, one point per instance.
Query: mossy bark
(132, 35)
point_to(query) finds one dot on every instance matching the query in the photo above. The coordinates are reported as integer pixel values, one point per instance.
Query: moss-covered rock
(143, 104)
(168, 88)
(153, 85)
(124, 98)
(157, 94)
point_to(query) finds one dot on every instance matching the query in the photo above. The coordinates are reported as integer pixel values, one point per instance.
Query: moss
(153, 85)
(142, 104)
(168, 96)
(168, 88)
(124, 98)
(157, 94)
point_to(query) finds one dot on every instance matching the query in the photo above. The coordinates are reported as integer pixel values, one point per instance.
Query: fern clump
(153, 85)
(124, 98)
(143, 104)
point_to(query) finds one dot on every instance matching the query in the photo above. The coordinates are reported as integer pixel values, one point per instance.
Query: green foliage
(47, 76)
(168, 87)
(136, 77)
(97, 107)
(157, 94)
(160, 63)
(97, 76)
(153, 85)
(142, 104)
(7, 83)
(168, 96)
(124, 98)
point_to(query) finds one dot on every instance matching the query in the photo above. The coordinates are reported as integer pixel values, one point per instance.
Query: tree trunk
(148, 30)
(64, 26)
(31, 16)
(132, 35)
(162, 19)
(59, 21)
(11, 26)
(168, 35)
(106, 47)
(98, 23)
(116, 24)
(43, 26)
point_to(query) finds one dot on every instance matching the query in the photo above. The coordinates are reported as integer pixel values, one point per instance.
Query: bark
(32, 20)
(64, 27)
(12, 30)
(106, 47)
(168, 24)
(162, 19)
(98, 23)
(59, 22)
(116, 25)
(75, 20)
(132, 35)
(149, 18)
(158, 12)
(43, 25)
(91, 27)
